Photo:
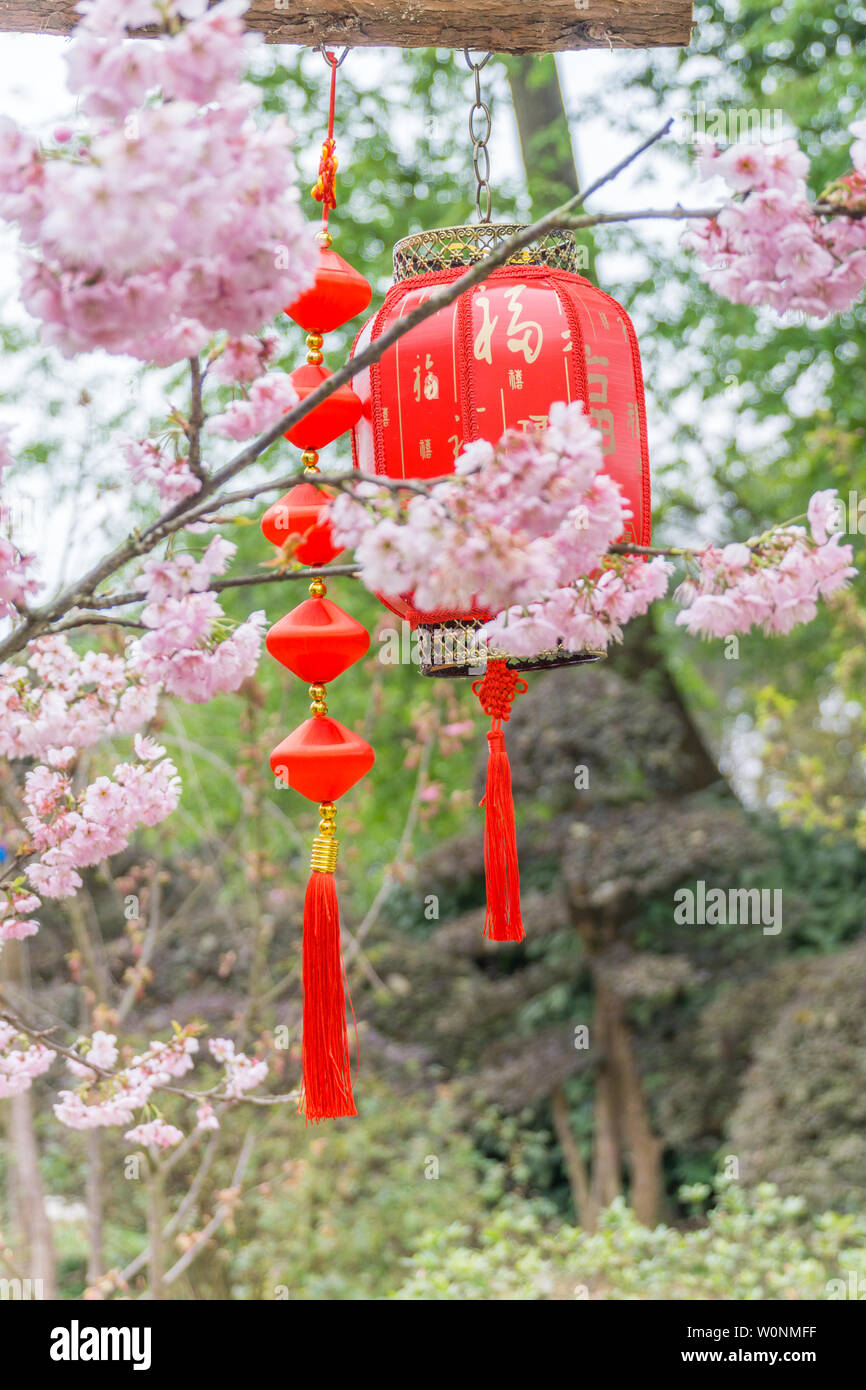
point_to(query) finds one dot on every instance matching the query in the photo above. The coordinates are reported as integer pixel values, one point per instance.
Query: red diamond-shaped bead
(333, 417)
(338, 293)
(322, 759)
(317, 641)
(302, 512)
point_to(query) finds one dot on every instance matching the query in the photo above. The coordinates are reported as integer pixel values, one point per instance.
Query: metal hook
(473, 66)
(330, 59)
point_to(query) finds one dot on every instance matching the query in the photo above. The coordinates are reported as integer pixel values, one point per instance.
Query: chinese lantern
(317, 642)
(532, 333)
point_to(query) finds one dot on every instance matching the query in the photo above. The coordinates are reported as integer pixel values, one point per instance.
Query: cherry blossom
(56, 698)
(242, 1073)
(72, 831)
(172, 477)
(774, 585)
(20, 1061)
(16, 583)
(526, 528)
(100, 1051)
(270, 398)
(190, 649)
(114, 1100)
(156, 1134)
(771, 247)
(243, 359)
(171, 214)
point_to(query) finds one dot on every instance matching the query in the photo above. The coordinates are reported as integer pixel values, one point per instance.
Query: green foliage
(754, 1245)
(348, 1202)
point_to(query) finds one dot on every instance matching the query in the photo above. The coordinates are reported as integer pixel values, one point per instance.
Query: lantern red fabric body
(496, 359)
(317, 641)
(302, 512)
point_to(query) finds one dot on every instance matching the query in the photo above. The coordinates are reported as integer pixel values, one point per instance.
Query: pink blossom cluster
(155, 1134)
(775, 584)
(55, 701)
(525, 528)
(100, 1051)
(270, 398)
(102, 1101)
(243, 359)
(172, 213)
(519, 519)
(584, 616)
(148, 463)
(20, 1062)
(770, 247)
(71, 831)
(117, 1098)
(16, 905)
(16, 583)
(242, 1073)
(190, 648)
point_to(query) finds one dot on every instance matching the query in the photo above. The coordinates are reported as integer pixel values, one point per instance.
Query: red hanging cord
(325, 188)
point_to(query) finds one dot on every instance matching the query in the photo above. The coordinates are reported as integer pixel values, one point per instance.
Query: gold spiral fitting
(323, 859)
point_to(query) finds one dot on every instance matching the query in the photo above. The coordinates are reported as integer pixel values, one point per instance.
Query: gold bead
(318, 588)
(314, 340)
(315, 358)
(310, 460)
(318, 707)
(324, 238)
(317, 692)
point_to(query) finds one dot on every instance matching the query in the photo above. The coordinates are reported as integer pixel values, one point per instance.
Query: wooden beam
(503, 26)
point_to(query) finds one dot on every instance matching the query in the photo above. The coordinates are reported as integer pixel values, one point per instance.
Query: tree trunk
(545, 139)
(573, 1159)
(35, 1255)
(95, 1208)
(607, 1151)
(644, 1148)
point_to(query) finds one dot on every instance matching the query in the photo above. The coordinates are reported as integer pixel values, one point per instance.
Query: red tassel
(496, 693)
(501, 870)
(327, 1072)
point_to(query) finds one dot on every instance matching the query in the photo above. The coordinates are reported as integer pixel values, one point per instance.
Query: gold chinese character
(524, 335)
(430, 386)
(482, 346)
(604, 423)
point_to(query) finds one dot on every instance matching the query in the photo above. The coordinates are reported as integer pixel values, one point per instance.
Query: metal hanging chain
(479, 115)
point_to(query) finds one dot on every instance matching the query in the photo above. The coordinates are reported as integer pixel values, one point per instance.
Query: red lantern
(532, 333)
